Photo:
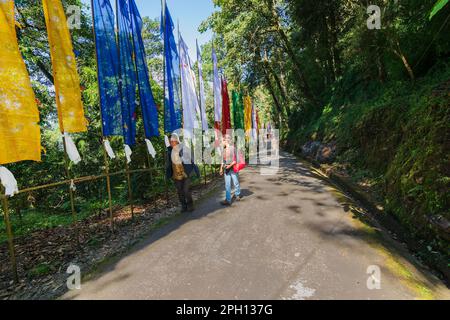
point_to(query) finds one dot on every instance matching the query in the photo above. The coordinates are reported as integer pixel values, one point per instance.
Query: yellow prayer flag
(67, 81)
(248, 115)
(20, 134)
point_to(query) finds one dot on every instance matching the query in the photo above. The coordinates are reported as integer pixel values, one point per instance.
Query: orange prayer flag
(20, 134)
(67, 81)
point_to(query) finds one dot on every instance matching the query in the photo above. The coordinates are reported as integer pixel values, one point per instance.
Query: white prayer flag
(191, 108)
(202, 91)
(150, 148)
(128, 153)
(255, 124)
(217, 89)
(109, 149)
(9, 182)
(71, 149)
(166, 141)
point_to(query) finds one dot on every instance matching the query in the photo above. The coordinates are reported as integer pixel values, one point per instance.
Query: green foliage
(397, 141)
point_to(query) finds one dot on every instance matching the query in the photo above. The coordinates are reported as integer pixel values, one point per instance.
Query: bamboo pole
(130, 190)
(150, 173)
(10, 235)
(108, 186)
(143, 115)
(166, 182)
(80, 180)
(71, 191)
(105, 154)
(127, 169)
(201, 113)
(66, 159)
(216, 134)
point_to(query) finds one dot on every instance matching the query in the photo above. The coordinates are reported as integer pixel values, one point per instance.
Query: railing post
(130, 191)
(10, 235)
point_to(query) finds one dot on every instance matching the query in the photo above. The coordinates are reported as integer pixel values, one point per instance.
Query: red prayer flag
(226, 117)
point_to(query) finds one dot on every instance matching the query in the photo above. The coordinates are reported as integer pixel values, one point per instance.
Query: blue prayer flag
(147, 101)
(108, 67)
(128, 73)
(172, 111)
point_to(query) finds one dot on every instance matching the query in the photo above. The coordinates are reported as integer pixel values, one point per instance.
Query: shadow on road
(297, 175)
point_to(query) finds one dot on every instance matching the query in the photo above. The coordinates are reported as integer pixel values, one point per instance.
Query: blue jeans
(235, 177)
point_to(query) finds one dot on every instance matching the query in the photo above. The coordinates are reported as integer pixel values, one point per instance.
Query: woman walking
(227, 169)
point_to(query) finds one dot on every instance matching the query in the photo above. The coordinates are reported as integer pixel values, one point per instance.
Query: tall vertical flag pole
(71, 187)
(163, 5)
(127, 168)
(201, 108)
(51, 11)
(105, 154)
(214, 99)
(141, 104)
(180, 66)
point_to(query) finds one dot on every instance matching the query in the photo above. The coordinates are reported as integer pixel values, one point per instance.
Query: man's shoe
(225, 203)
(238, 198)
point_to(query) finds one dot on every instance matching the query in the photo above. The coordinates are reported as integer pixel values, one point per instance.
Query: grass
(40, 270)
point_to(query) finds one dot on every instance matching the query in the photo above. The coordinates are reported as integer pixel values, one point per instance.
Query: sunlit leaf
(438, 7)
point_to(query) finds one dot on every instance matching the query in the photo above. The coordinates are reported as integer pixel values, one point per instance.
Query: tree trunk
(280, 87)
(274, 97)
(304, 85)
(333, 44)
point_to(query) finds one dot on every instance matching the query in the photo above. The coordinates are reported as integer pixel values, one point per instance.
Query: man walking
(180, 172)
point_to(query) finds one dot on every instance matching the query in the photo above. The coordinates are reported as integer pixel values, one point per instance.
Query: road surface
(293, 237)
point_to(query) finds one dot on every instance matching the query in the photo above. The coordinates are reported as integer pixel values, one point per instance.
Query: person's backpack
(240, 162)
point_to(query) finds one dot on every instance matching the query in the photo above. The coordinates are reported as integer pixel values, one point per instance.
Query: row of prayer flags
(20, 129)
(123, 77)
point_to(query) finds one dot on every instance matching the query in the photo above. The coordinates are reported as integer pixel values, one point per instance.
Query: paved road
(292, 237)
